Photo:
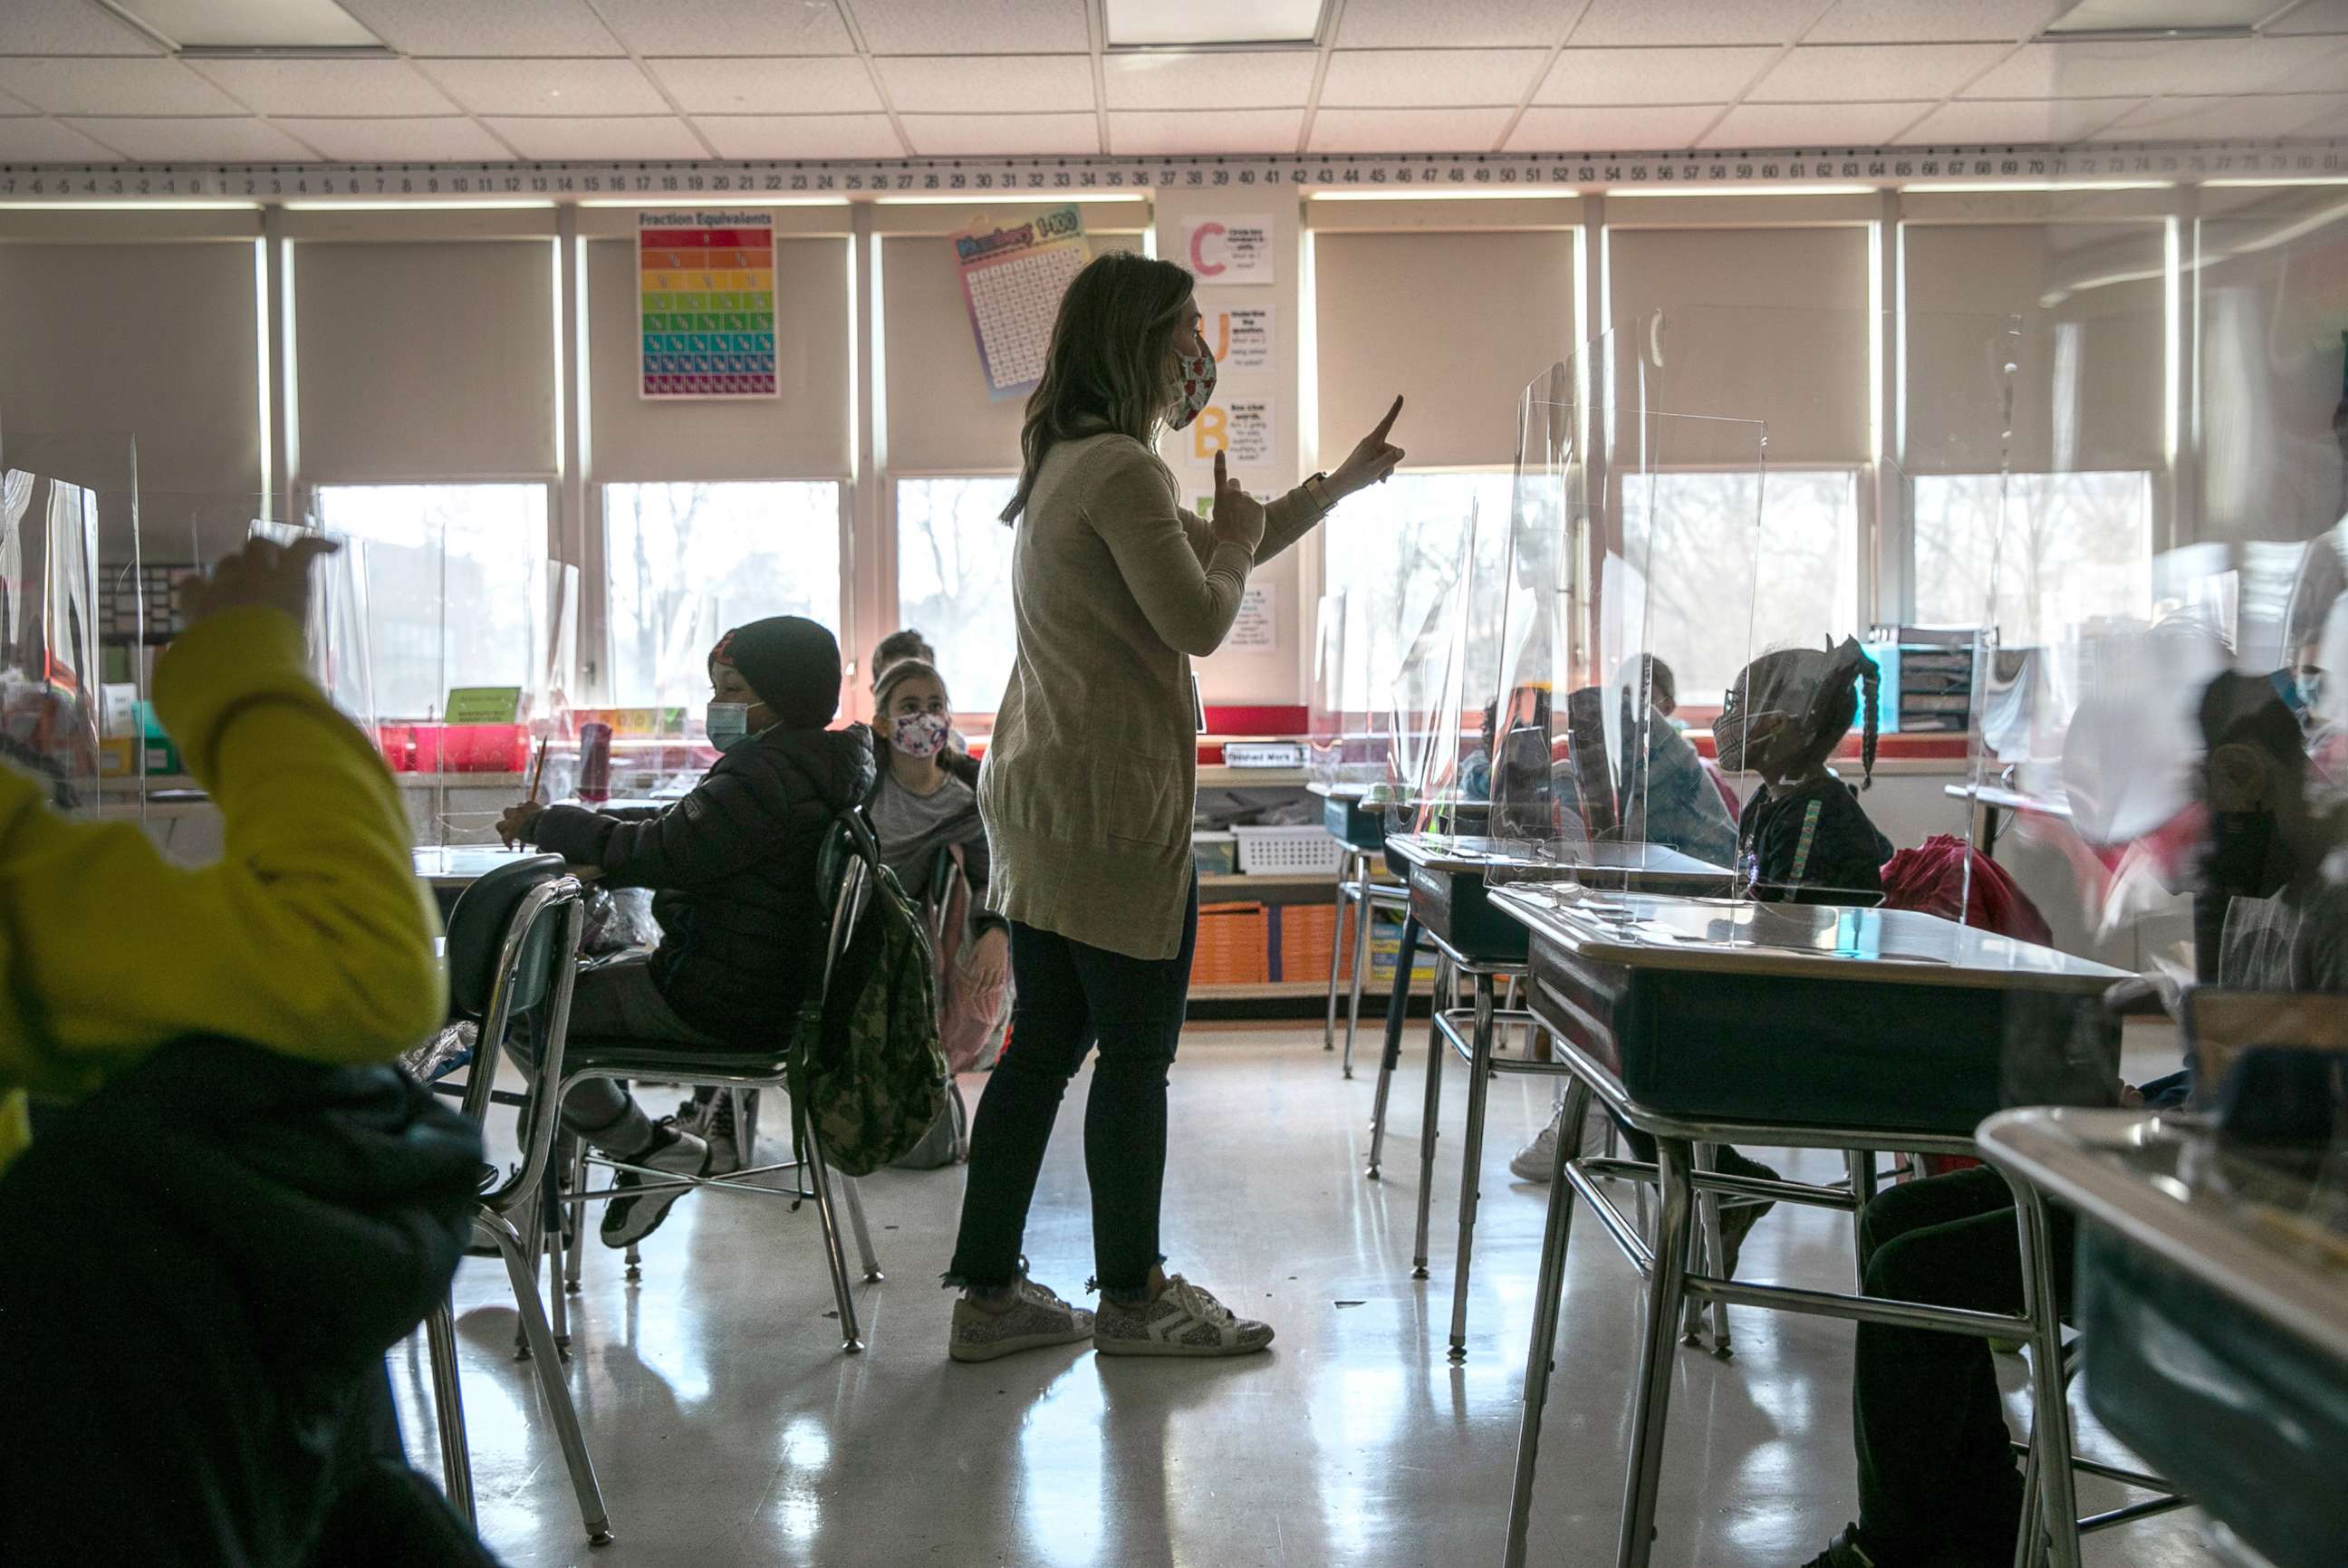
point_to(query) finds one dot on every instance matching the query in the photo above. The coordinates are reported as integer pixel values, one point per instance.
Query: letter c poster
(1228, 250)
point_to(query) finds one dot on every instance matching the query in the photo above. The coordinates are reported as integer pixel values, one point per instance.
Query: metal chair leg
(1428, 1119)
(745, 1126)
(1712, 1253)
(548, 1205)
(578, 1217)
(1365, 914)
(863, 1234)
(553, 1381)
(448, 1408)
(2050, 1426)
(635, 1262)
(1390, 1053)
(819, 1175)
(1336, 951)
(1666, 1286)
(1541, 1353)
(1471, 1157)
(1859, 1166)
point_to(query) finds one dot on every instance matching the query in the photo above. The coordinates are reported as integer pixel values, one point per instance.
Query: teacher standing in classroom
(1088, 794)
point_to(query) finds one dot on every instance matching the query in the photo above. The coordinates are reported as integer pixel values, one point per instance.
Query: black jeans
(1937, 1484)
(1072, 995)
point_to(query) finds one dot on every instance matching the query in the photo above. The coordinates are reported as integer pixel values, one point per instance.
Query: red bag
(974, 1017)
(1932, 877)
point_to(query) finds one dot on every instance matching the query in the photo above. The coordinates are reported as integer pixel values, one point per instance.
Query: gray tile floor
(729, 1429)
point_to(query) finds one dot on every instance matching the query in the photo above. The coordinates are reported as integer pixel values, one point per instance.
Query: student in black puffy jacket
(732, 867)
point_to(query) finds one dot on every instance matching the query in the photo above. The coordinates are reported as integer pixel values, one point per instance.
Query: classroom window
(684, 561)
(1394, 551)
(953, 581)
(2071, 546)
(453, 574)
(1803, 579)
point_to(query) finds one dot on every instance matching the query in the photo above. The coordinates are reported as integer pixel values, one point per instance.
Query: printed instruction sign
(706, 305)
(1252, 630)
(1238, 335)
(1012, 280)
(1239, 428)
(1228, 250)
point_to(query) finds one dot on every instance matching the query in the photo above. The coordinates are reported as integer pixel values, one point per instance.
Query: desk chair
(1358, 889)
(513, 954)
(845, 865)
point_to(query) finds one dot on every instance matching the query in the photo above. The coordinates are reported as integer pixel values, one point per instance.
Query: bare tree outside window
(953, 581)
(2072, 547)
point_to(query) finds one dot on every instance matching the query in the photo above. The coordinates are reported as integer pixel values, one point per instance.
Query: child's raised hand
(519, 824)
(274, 576)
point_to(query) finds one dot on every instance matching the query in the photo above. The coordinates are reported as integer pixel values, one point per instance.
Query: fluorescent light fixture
(2157, 19)
(509, 205)
(1021, 198)
(248, 26)
(193, 204)
(712, 199)
(1404, 193)
(1614, 190)
(1206, 23)
(2249, 183)
(2044, 185)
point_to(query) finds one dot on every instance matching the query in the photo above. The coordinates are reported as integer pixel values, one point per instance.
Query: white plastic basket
(1306, 851)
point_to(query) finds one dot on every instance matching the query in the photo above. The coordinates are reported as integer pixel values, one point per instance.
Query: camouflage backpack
(866, 1073)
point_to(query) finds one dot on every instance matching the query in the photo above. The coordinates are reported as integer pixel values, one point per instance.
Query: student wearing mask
(732, 867)
(1937, 1484)
(1088, 794)
(925, 800)
(897, 648)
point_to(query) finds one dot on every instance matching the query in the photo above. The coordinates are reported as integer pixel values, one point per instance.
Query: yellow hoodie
(311, 935)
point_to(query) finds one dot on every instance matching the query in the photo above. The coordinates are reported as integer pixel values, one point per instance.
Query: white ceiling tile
(69, 27)
(1932, 21)
(800, 135)
(46, 141)
(1203, 132)
(1838, 73)
(982, 135)
(1374, 79)
(444, 139)
(172, 141)
(2079, 71)
(1789, 125)
(328, 87)
(652, 136)
(972, 26)
(2262, 64)
(815, 84)
(1652, 76)
(715, 28)
(1692, 21)
(458, 28)
(1269, 78)
(2316, 16)
(1465, 23)
(2224, 119)
(1408, 130)
(572, 88)
(113, 87)
(1646, 127)
(2003, 122)
(955, 84)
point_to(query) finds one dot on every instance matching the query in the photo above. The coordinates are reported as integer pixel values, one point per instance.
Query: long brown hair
(1105, 369)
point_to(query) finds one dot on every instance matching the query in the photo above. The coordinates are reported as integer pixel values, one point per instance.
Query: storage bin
(1216, 854)
(1305, 851)
(1231, 949)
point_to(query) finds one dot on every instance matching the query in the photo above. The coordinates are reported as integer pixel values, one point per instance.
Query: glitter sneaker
(1182, 1319)
(1035, 1319)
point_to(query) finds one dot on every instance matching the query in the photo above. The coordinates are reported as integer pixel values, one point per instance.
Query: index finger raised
(1387, 423)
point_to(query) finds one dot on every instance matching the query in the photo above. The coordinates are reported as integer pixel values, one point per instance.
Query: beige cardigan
(1091, 776)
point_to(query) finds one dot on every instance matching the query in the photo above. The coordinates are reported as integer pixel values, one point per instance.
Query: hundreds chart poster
(1013, 279)
(707, 305)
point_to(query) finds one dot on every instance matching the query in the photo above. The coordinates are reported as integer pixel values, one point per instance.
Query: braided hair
(1834, 676)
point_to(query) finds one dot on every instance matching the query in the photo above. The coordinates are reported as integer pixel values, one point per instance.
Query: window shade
(155, 341)
(2091, 373)
(1757, 323)
(940, 420)
(424, 361)
(1459, 321)
(802, 434)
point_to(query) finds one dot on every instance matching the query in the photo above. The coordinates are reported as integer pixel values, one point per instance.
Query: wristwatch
(1316, 490)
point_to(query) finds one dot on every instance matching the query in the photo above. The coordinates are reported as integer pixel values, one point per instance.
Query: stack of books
(1928, 677)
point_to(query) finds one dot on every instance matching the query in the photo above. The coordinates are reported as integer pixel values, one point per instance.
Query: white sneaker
(1182, 1319)
(1536, 1160)
(1036, 1319)
(630, 1220)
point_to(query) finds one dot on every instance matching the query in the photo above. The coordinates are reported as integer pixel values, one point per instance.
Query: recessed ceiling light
(1211, 24)
(250, 26)
(2157, 19)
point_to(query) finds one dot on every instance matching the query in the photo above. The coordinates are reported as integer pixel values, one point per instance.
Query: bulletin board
(706, 305)
(1012, 280)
